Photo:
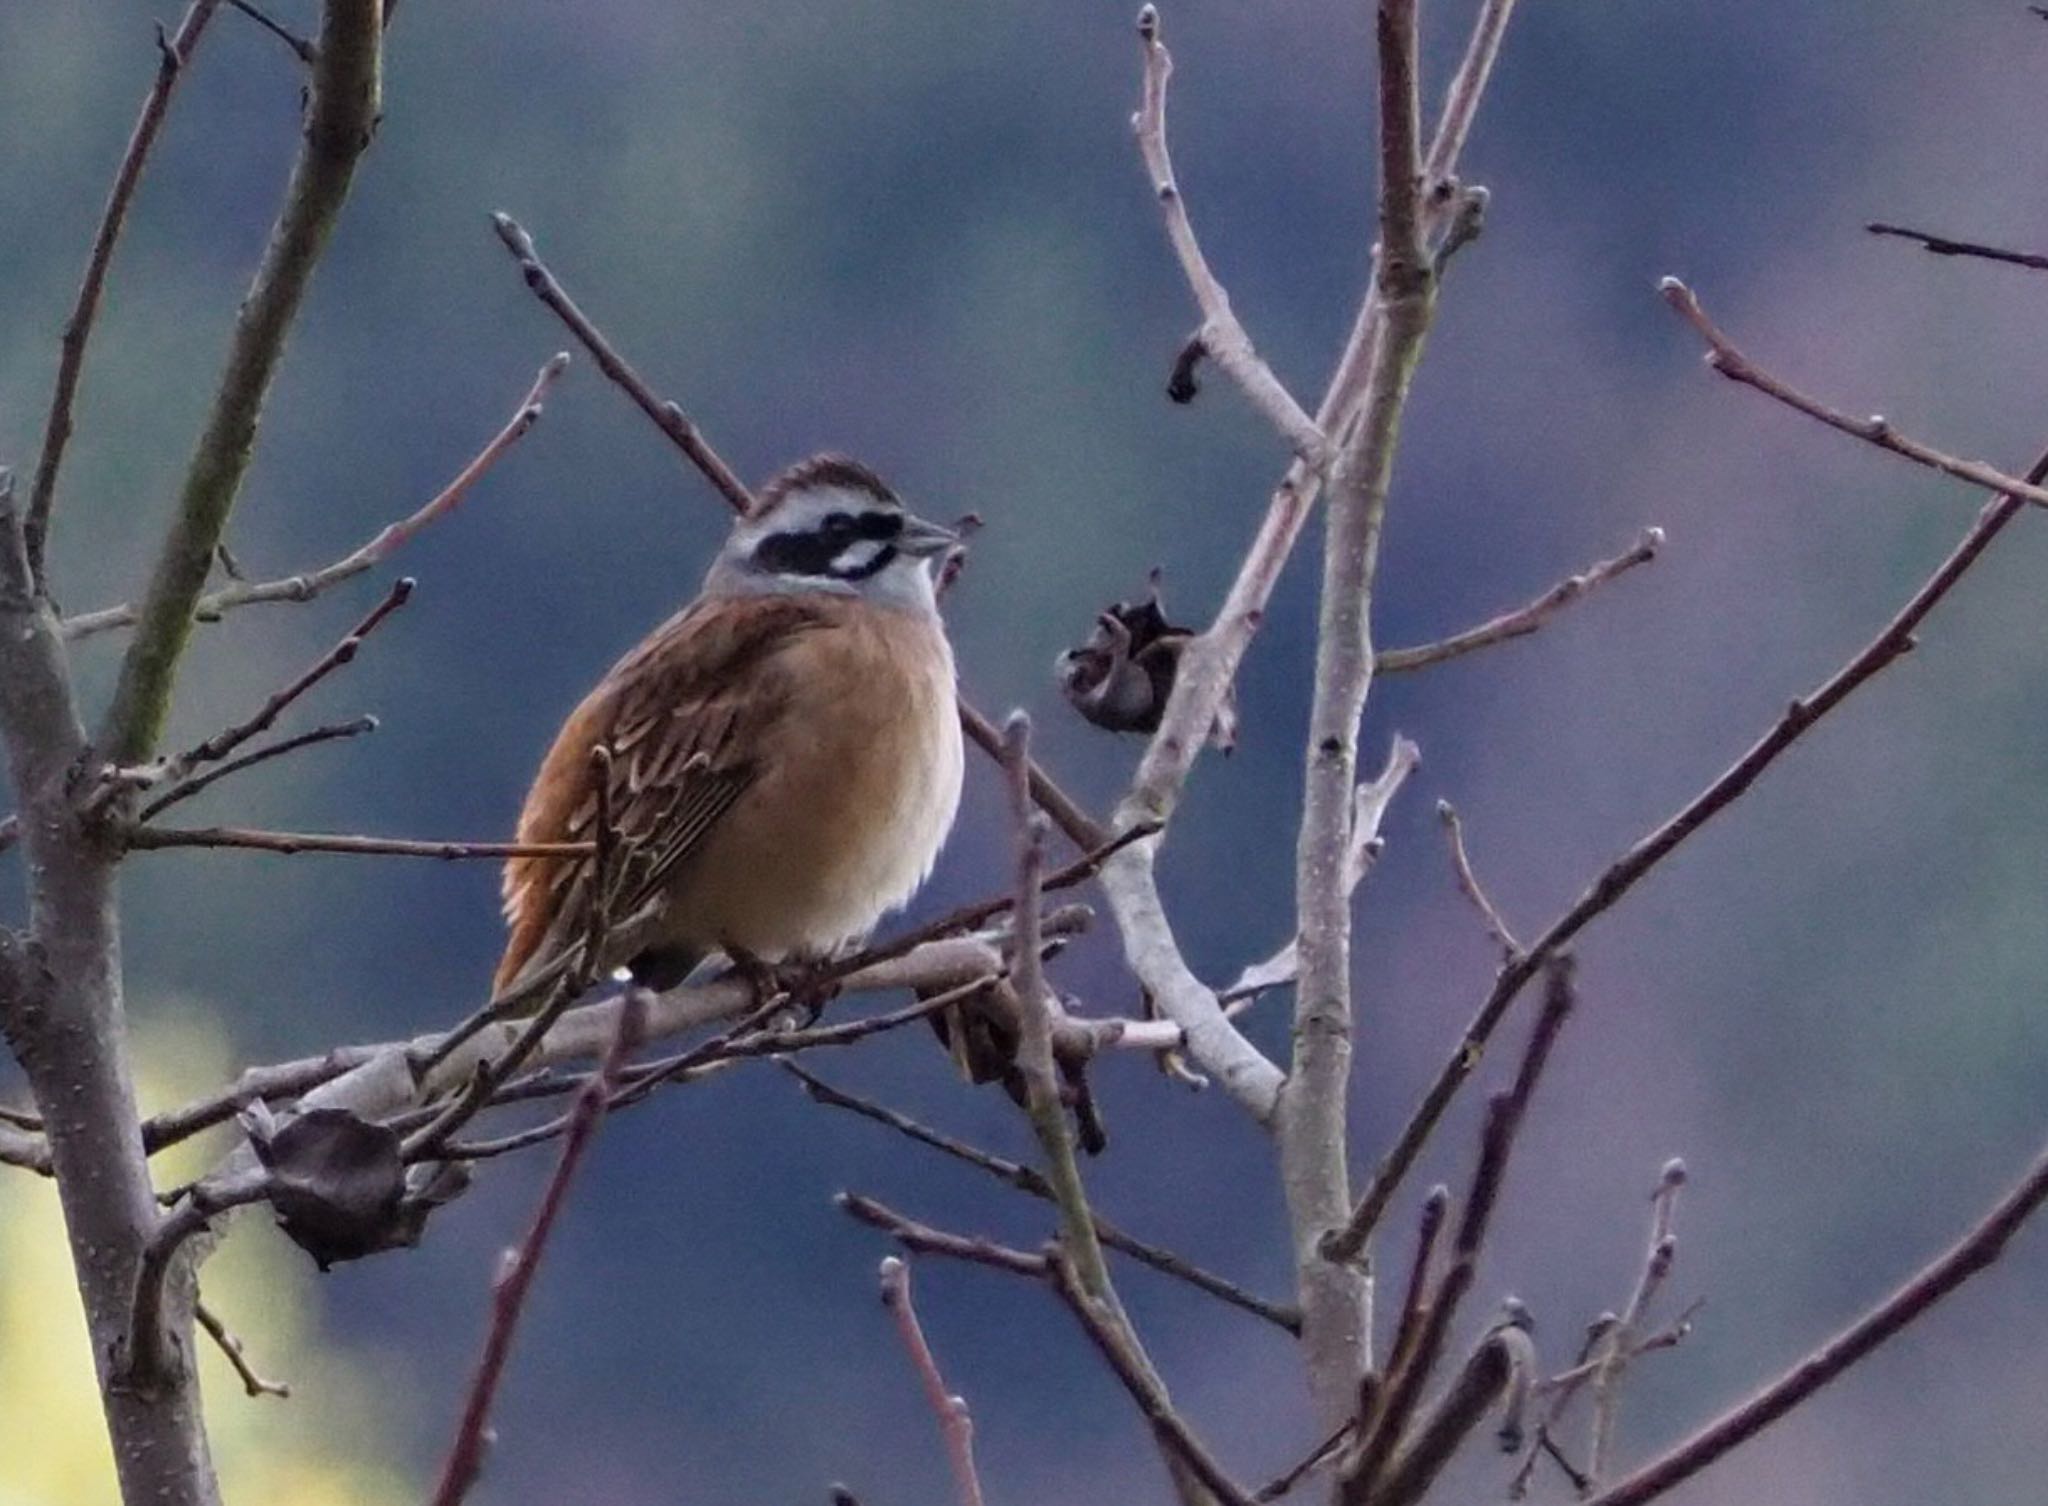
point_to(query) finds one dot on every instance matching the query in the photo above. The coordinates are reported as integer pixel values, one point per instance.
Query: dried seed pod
(1121, 677)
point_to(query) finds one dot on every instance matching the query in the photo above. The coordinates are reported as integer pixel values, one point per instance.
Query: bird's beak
(922, 540)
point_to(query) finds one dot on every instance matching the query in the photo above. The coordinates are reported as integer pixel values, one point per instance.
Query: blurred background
(919, 232)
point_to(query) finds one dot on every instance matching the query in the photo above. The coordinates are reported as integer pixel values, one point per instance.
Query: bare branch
(172, 54)
(146, 1358)
(1525, 619)
(1941, 245)
(1028, 1180)
(1979, 1248)
(1310, 1120)
(1222, 337)
(1731, 363)
(186, 789)
(298, 44)
(925, 1240)
(1112, 1339)
(1489, 1375)
(340, 116)
(956, 1423)
(1893, 641)
(667, 416)
(515, 1278)
(292, 843)
(231, 1347)
(381, 546)
(226, 741)
(1620, 1344)
(1469, 885)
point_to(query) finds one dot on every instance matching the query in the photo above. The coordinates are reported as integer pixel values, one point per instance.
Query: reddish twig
(1106, 1330)
(923, 1239)
(172, 53)
(515, 1278)
(956, 1423)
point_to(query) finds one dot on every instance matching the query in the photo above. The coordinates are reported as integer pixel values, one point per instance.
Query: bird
(780, 760)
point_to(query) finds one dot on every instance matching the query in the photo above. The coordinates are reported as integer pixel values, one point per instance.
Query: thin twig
(172, 54)
(1978, 1249)
(231, 1348)
(956, 1423)
(1731, 363)
(1504, 1116)
(284, 34)
(214, 605)
(1490, 1374)
(1941, 245)
(1522, 620)
(145, 1362)
(1469, 885)
(1620, 1344)
(1111, 1337)
(1892, 642)
(341, 114)
(292, 843)
(1222, 337)
(1030, 1181)
(667, 416)
(186, 789)
(1082, 829)
(515, 1278)
(923, 1239)
(228, 739)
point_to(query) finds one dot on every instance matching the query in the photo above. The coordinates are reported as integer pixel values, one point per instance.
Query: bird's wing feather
(680, 715)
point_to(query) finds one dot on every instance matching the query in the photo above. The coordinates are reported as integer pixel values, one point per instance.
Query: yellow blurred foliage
(327, 1445)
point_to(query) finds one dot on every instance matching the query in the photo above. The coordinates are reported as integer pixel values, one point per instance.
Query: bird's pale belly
(822, 847)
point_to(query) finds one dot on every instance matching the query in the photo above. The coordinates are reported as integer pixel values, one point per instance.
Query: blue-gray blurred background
(919, 232)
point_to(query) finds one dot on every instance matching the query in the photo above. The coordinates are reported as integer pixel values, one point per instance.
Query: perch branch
(922, 1239)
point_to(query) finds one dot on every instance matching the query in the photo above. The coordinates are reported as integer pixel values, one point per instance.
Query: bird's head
(830, 524)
